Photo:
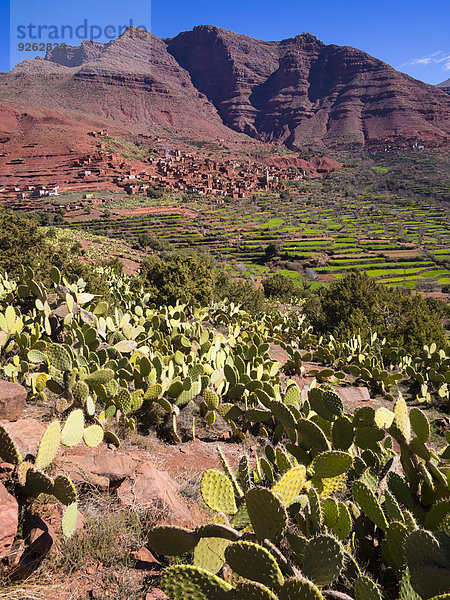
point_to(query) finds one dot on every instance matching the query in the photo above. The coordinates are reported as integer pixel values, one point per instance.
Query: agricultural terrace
(398, 242)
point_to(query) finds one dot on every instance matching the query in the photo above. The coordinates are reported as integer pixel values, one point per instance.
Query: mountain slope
(445, 86)
(210, 83)
(132, 81)
(301, 90)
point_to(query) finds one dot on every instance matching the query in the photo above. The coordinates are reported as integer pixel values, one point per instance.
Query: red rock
(27, 434)
(12, 400)
(354, 395)
(210, 83)
(151, 487)
(9, 518)
(99, 469)
(145, 561)
(300, 89)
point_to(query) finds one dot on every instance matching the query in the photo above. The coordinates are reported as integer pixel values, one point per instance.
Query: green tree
(278, 286)
(21, 240)
(177, 277)
(240, 292)
(272, 250)
(357, 304)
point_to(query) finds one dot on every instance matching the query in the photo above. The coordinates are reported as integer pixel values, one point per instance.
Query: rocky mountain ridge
(210, 83)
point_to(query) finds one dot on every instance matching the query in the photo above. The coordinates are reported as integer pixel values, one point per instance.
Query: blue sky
(412, 36)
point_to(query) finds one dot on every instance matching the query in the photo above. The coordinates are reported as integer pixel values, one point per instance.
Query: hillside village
(173, 170)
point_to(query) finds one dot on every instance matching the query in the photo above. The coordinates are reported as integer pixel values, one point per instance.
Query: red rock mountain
(210, 83)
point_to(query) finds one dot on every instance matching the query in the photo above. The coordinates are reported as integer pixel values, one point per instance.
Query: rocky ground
(122, 493)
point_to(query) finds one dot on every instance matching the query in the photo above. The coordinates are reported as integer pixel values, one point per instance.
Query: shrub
(239, 292)
(177, 277)
(273, 250)
(357, 304)
(279, 286)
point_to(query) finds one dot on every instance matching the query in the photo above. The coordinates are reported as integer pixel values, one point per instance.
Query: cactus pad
(315, 509)
(331, 464)
(437, 513)
(8, 450)
(311, 436)
(254, 562)
(80, 392)
(72, 432)
(172, 541)
(368, 503)
(323, 560)
(211, 399)
(49, 445)
(267, 514)
(343, 526)
(333, 403)
(64, 490)
(217, 492)
(100, 377)
(420, 425)
(291, 484)
(186, 582)
(37, 483)
(428, 557)
(59, 357)
(209, 553)
(69, 520)
(366, 589)
(299, 588)
(93, 436)
(342, 433)
(153, 392)
(218, 529)
(251, 590)
(395, 541)
(124, 401)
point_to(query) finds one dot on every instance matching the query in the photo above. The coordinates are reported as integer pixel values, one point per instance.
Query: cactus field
(327, 501)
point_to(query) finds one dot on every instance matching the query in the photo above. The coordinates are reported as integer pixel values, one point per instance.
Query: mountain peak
(209, 81)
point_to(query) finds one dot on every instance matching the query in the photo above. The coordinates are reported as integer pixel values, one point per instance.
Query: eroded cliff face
(209, 83)
(300, 90)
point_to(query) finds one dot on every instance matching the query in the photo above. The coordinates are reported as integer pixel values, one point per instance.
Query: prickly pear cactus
(254, 562)
(368, 503)
(217, 492)
(172, 541)
(93, 436)
(323, 560)
(290, 485)
(299, 588)
(266, 512)
(59, 357)
(72, 432)
(8, 450)
(366, 589)
(428, 557)
(330, 464)
(186, 582)
(69, 520)
(49, 445)
(251, 590)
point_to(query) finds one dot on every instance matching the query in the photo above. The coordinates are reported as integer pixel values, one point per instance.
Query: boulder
(87, 465)
(9, 518)
(353, 395)
(27, 434)
(152, 488)
(12, 400)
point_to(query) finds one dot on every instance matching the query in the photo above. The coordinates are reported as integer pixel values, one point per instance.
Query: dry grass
(38, 587)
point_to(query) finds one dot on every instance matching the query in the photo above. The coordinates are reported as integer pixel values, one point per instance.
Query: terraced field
(395, 241)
